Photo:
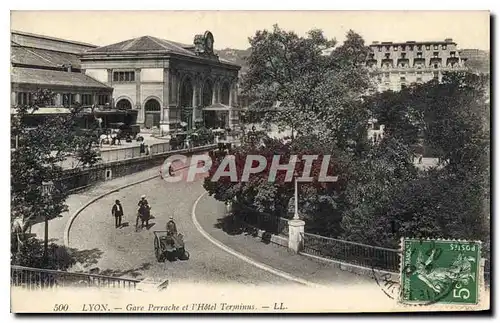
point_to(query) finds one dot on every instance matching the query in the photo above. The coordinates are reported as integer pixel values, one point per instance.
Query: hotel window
(428, 47)
(103, 99)
(452, 54)
(419, 47)
(419, 79)
(386, 75)
(388, 47)
(403, 55)
(395, 48)
(419, 55)
(87, 99)
(436, 46)
(436, 75)
(402, 79)
(403, 47)
(24, 98)
(125, 76)
(436, 54)
(379, 48)
(387, 56)
(443, 47)
(411, 48)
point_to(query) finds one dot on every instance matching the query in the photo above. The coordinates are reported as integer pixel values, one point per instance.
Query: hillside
(236, 56)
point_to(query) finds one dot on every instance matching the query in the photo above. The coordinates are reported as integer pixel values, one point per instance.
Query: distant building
(478, 61)
(169, 84)
(394, 65)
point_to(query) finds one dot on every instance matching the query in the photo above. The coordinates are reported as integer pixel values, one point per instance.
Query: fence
(36, 278)
(351, 252)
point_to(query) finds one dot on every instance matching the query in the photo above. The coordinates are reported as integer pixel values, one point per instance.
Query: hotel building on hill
(397, 64)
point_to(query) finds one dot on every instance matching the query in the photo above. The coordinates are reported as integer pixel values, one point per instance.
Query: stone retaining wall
(74, 179)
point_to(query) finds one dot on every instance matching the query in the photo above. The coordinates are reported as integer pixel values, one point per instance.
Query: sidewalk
(209, 211)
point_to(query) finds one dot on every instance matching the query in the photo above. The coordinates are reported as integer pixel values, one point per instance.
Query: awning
(46, 111)
(220, 107)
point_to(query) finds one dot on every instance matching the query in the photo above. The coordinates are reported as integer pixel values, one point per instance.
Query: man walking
(117, 212)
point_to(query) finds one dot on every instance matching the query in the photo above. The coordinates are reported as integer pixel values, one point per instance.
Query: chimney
(375, 42)
(449, 40)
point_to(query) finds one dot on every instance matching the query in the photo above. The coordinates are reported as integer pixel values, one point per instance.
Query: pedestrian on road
(143, 213)
(117, 212)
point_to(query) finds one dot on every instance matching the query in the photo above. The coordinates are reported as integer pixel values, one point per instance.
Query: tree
(36, 160)
(315, 91)
(392, 200)
(268, 196)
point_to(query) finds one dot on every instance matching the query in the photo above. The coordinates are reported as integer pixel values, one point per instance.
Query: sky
(470, 29)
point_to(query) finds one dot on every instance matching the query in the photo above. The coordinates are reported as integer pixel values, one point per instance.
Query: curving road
(124, 252)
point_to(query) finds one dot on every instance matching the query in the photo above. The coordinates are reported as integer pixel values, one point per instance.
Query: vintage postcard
(250, 161)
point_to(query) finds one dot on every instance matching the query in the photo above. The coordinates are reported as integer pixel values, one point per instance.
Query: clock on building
(209, 42)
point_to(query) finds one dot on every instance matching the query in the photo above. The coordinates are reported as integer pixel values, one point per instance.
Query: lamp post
(46, 192)
(296, 198)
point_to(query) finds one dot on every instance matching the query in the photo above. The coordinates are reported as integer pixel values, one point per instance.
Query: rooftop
(150, 44)
(21, 55)
(412, 42)
(22, 33)
(23, 75)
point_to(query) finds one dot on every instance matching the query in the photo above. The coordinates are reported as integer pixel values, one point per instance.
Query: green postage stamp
(440, 271)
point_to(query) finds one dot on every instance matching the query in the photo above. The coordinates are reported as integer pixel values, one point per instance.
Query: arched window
(123, 104)
(224, 95)
(207, 94)
(152, 113)
(186, 95)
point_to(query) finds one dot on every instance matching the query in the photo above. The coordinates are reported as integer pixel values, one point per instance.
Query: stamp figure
(440, 271)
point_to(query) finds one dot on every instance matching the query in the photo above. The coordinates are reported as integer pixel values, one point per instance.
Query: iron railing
(351, 252)
(37, 278)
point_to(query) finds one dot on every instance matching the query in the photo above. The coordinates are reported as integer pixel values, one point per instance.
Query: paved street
(209, 213)
(131, 254)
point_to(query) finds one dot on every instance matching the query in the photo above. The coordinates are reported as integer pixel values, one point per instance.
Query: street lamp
(296, 198)
(46, 192)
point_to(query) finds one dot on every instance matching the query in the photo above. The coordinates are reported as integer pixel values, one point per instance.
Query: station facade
(172, 86)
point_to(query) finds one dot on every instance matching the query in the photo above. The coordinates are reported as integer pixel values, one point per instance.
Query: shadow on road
(232, 226)
(124, 225)
(132, 272)
(29, 253)
(229, 225)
